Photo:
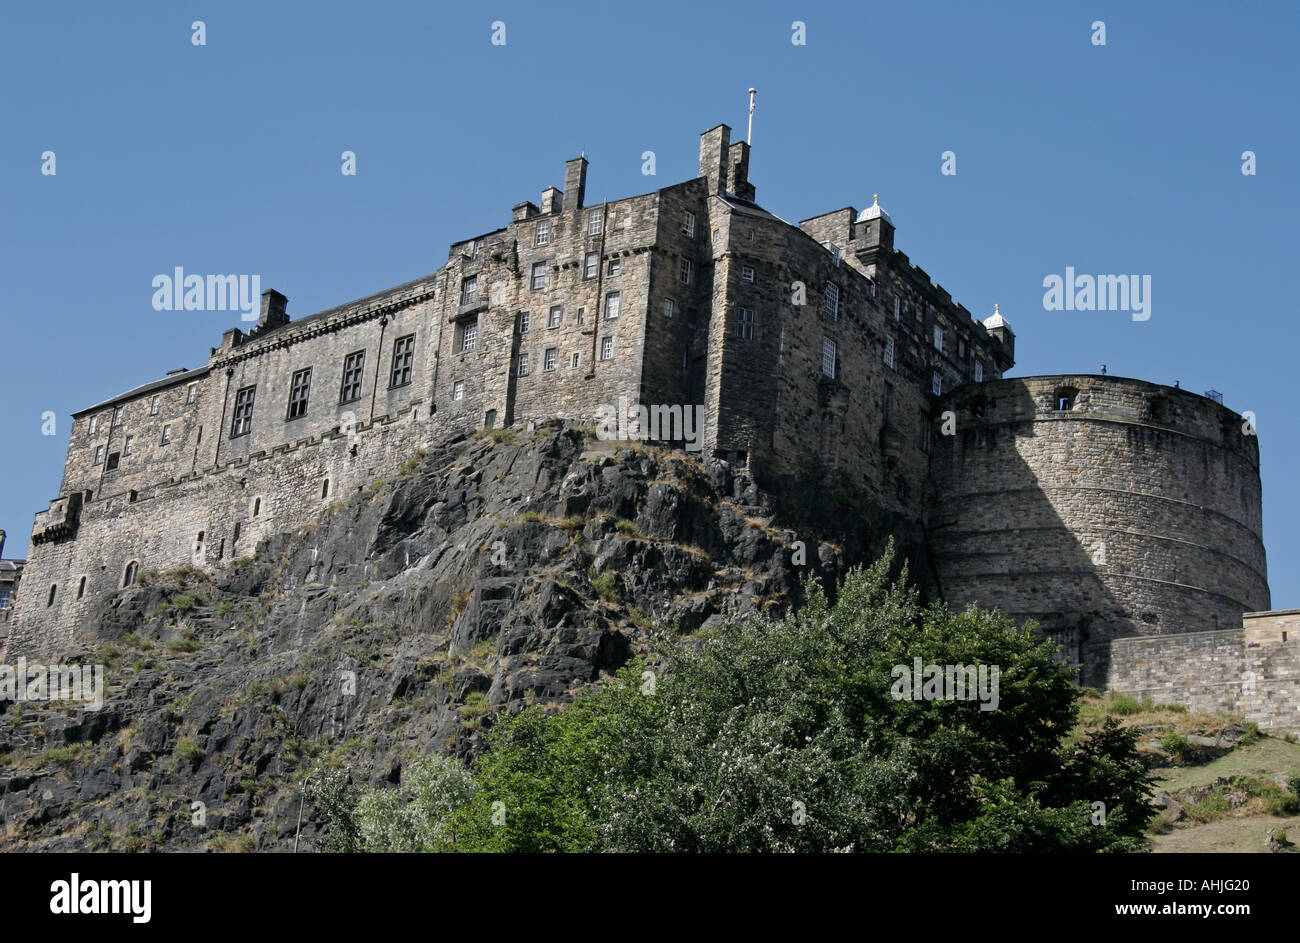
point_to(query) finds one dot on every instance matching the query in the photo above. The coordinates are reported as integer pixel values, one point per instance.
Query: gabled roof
(184, 376)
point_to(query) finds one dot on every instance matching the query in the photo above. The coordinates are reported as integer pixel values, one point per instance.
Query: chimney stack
(738, 171)
(575, 182)
(2, 544)
(273, 308)
(552, 200)
(713, 156)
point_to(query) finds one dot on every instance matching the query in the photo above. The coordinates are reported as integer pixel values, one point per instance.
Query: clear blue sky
(225, 158)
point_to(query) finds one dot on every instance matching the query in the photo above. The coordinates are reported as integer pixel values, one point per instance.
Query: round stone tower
(1099, 506)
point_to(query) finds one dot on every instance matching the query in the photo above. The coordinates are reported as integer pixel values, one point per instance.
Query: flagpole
(749, 138)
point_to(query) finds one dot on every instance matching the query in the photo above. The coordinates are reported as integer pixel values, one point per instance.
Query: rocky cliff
(498, 571)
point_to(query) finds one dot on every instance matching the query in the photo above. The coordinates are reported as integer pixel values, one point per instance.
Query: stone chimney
(552, 200)
(2, 544)
(738, 171)
(575, 182)
(713, 157)
(273, 310)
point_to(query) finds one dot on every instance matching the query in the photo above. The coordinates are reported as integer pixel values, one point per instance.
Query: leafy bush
(1173, 743)
(605, 586)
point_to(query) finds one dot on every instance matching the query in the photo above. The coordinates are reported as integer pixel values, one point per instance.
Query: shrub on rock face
(791, 735)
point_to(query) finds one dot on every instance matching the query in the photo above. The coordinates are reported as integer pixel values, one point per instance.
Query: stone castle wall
(1133, 511)
(1253, 671)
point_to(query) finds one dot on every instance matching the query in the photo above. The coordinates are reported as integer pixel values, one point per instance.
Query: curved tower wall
(1134, 510)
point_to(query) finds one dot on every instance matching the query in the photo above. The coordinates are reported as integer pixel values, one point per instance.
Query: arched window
(128, 577)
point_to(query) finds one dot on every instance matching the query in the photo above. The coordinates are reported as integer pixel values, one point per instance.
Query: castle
(1106, 508)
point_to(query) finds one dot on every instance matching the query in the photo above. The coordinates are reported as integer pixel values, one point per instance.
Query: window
(594, 220)
(979, 372)
(936, 383)
(458, 390)
(234, 537)
(489, 419)
(615, 267)
(938, 338)
(684, 271)
(469, 290)
(130, 442)
(613, 305)
(582, 316)
(5, 596)
(53, 589)
(871, 287)
(539, 276)
(670, 307)
(556, 316)
(607, 348)
(299, 389)
(403, 357)
(475, 248)
(153, 405)
(750, 237)
(688, 226)
(745, 325)
(324, 489)
(1065, 398)
(469, 339)
(81, 588)
(549, 358)
(524, 317)
(747, 273)
(543, 233)
(353, 364)
(242, 424)
(575, 361)
(117, 416)
(113, 458)
(522, 365)
(257, 506)
(591, 265)
(961, 348)
(889, 352)
(94, 424)
(828, 357)
(191, 394)
(714, 237)
(898, 307)
(128, 576)
(166, 435)
(831, 301)
(99, 455)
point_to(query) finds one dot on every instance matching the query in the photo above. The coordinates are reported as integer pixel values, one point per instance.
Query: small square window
(543, 233)
(615, 267)
(458, 390)
(539, 276)
(556, 316)
(607, 348)
(613, 305)
(684, 271)
(747, 273)
(550, 358)
(166, 435)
